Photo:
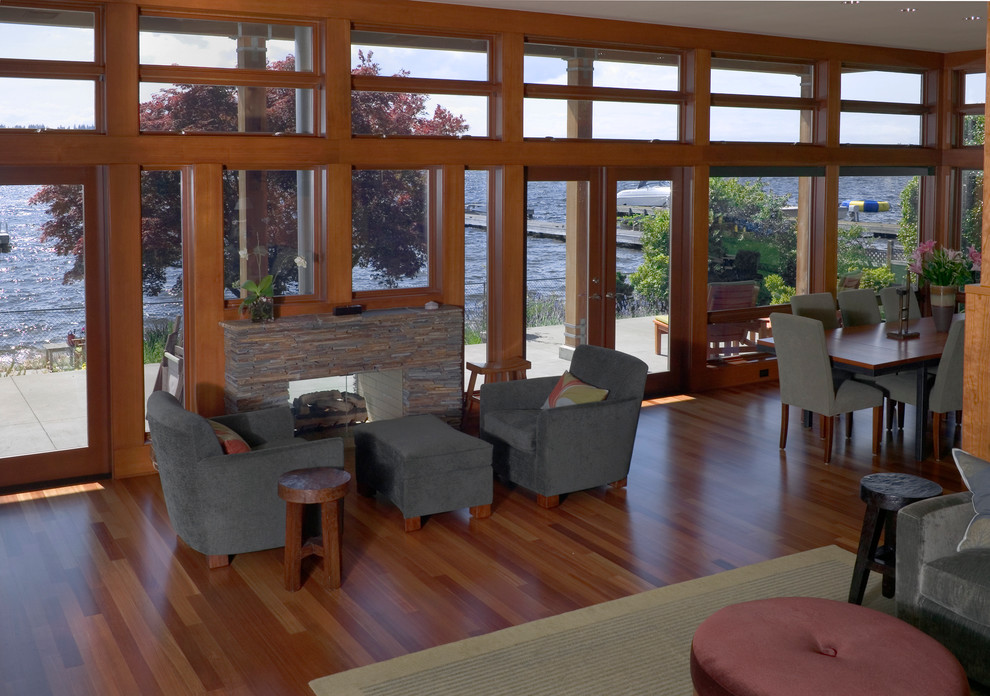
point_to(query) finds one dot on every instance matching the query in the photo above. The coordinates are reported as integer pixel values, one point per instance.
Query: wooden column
(580, 71)
(976, 369)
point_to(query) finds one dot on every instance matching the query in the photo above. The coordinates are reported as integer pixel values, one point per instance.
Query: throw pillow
(231, 442)
(569, 391)
(976, 475)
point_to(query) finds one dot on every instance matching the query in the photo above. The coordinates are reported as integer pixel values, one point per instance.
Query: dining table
(867, 350)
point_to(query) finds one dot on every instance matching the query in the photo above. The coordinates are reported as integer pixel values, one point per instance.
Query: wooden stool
(884, 495)
(505, 371)
(327, 487)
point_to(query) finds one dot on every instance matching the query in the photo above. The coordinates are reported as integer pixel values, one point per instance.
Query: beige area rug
(634, 645)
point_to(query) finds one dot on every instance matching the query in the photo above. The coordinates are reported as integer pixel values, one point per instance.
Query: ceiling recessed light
(974, 18)
(850, 2)
(909, 9)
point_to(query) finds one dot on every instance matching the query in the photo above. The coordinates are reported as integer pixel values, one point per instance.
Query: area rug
(637, 644)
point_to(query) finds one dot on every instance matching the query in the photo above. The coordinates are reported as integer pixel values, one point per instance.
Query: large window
(878, 226)
(753, 258)
(582, 92)
(410, 85)
(61, 54)
(393, 218)
(268, 230)
(881, 107)
(226, 77)
(761, 101)
(162, 282)
(973, 96)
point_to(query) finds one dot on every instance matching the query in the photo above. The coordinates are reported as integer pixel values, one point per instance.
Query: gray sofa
(942, 591)
(222, 504)
(571, 448)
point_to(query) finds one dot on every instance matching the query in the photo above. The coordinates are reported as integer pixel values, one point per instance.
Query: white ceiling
(931, 26)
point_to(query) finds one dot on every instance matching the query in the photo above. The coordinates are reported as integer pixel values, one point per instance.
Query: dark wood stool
(327, 487)
(513, 368)
(884, 495)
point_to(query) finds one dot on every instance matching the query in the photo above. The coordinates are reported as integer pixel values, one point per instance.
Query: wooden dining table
(867, 350)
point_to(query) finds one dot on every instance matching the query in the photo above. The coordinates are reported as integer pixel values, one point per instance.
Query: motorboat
(649, 194)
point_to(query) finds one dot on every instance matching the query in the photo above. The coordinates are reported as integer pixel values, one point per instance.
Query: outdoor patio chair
(729, 338)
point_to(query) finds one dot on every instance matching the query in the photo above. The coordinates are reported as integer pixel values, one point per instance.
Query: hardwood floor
(99, 597)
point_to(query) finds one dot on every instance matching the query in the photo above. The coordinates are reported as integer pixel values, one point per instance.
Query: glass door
(562, 299)
(638, 266)
(53, 396)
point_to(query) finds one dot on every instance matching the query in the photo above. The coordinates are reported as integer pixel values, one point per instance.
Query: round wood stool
(327, 487)
(884, 495)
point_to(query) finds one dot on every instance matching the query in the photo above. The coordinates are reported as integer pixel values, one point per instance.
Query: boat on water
(649, 194)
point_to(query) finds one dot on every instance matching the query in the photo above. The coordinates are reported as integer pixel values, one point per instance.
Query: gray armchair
(569, 448)
(942, 591)
(222, 504)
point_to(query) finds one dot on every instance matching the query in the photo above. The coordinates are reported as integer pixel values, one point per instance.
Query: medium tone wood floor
(97, 595)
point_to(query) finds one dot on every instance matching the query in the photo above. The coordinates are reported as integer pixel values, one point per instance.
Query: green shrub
(155, 334)
(877, 278)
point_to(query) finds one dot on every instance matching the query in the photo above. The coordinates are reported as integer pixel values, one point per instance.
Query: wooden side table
(884, 495)
(327, 487)
(504, 371)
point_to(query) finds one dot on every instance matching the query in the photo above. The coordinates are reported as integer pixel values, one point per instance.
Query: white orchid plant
(259, 295)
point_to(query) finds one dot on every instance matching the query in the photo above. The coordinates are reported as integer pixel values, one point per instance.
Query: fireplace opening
(331, 406)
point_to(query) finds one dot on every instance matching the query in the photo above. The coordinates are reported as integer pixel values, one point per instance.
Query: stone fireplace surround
(426, 346)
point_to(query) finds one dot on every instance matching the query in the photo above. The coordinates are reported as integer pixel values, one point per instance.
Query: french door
(601, 273)
(54, 415)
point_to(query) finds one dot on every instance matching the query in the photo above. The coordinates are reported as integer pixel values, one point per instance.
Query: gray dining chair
(806, 382)
(947, 388)
(892, 304)
(817, 305)
(859, 307)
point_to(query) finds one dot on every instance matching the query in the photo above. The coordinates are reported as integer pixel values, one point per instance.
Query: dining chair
(859, 307)
(806, 382)
(892, 304)
(817, 305)
(947, 388)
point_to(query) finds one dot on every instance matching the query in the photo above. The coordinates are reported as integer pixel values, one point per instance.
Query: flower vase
(263, 310)
(943, 299)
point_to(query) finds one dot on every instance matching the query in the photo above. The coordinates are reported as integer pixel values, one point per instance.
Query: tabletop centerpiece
(944, 270)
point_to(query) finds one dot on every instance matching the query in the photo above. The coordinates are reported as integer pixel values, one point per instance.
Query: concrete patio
(46, 411)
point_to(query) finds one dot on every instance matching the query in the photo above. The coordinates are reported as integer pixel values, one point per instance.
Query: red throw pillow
(231, 442)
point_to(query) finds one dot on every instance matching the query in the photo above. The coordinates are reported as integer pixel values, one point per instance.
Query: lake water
(37, 307)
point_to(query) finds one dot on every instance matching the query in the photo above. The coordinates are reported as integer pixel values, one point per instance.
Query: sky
(69, 103)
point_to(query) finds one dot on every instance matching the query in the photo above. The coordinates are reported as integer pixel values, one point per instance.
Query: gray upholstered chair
(944, 591)
(569, 448)
(947, 388)
(222, 504)
(892, 304)
(859, 307)
(817, 305)
(805, 374)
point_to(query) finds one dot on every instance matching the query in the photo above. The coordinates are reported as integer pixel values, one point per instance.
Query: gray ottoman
(424, 466)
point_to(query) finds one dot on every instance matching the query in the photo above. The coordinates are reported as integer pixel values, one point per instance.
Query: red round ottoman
(803, 645)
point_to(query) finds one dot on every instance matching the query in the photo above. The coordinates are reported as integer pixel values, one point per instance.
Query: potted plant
(259, 296)
(944, 270)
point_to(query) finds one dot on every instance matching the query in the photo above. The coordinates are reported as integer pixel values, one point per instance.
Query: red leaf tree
(389, 205)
